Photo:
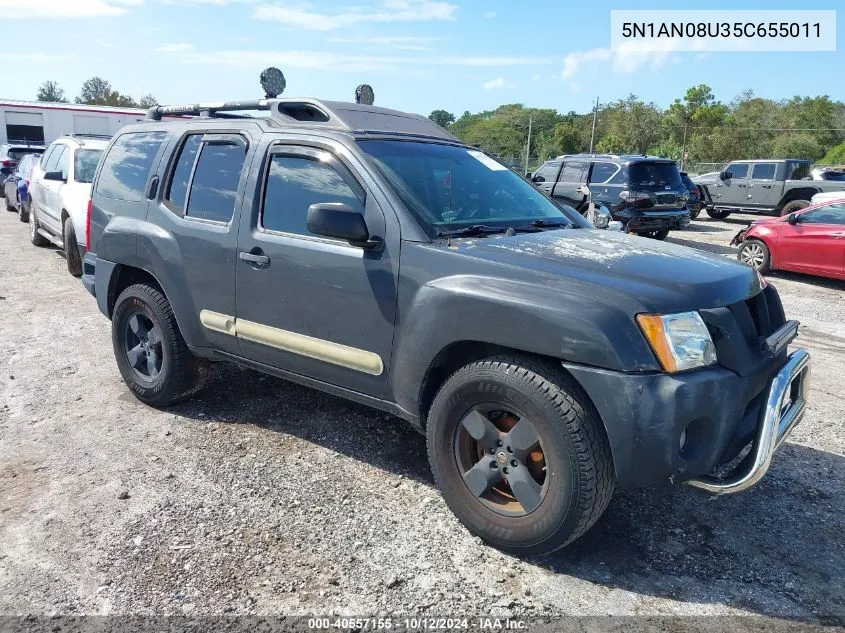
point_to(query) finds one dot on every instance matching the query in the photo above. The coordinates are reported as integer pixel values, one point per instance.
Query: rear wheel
(718, 214)
(34, 236)
(71, 247)
(519, 455)
(793, 206)
(756, 254)
(655, 235)
(152, 356)
(23, 212)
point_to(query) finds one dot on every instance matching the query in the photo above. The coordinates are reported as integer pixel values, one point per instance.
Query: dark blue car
(16, 186)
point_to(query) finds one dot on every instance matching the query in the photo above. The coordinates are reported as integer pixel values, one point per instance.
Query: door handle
(256, 260)
(766, 186)
(838, 236)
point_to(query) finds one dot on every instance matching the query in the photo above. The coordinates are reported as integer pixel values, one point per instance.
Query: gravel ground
(263, 497)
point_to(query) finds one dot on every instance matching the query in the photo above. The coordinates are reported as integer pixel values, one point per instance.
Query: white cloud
(41, 9)
(499, 82)
(388, 11)
(181, 47)
(489, 15)
(626, 59)
(399, 42)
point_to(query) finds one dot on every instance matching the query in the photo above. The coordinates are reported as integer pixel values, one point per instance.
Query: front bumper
(694, 426)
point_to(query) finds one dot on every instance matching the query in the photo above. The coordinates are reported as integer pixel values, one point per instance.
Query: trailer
(41, 123)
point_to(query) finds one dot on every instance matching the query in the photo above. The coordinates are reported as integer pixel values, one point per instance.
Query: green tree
(797, 145)
(442, 118)
(51, 91)
(98, 91)
(836, 156)
(147, 101)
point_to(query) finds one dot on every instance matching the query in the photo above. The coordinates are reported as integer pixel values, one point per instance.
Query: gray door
(198, 207)
(733, 191)
(764, 191)
(310, 305)
(572, 176)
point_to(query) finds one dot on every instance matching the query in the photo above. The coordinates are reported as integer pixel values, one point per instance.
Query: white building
(42, 122)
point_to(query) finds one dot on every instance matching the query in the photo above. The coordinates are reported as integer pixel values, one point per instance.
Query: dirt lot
(260, 496)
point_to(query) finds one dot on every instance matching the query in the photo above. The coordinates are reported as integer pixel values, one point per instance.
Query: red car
(810, 241)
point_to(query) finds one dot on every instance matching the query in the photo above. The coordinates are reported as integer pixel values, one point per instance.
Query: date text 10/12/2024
(418, 624)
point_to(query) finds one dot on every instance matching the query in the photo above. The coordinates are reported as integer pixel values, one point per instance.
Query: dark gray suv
(645, 193)
(370, 254)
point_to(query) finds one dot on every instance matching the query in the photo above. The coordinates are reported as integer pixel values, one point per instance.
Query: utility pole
(528, 143)
(684, 146)
(593, 134)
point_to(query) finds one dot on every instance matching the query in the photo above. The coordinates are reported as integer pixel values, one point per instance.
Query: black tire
(693, 215)
(756, 254)
(23, 213)
(718, 214)
(34, 236)
(793, 206)
(578, 478)
(177, 373)
(71, 248)
(655, 235)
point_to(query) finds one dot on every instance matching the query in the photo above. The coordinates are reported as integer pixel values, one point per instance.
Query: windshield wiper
(543, 224)
(472, 230)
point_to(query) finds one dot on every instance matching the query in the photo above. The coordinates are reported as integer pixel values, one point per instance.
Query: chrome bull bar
(785, 406)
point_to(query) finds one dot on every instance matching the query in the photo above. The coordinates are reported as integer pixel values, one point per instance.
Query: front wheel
(519, 454)
(719, 214)
(152, 356)
(655, 235)
(23, 212)
(756, 254)
(34, 236)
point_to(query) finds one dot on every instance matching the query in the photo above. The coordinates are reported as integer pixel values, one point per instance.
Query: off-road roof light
(364, 94)
(273, 82)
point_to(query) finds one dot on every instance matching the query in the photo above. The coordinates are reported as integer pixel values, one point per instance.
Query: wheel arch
(799, 193)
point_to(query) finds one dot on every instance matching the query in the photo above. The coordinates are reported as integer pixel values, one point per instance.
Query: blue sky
(417, 54)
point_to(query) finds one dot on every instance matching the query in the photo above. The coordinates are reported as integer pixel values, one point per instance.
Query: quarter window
(214, 187)
(127, 166)
(63, 163)
(602, 172)
(763, 171)
(296, 182)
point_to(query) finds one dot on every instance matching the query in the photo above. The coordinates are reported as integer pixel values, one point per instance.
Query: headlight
(680, 341)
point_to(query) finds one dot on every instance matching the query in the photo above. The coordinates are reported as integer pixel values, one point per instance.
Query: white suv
(60, 188)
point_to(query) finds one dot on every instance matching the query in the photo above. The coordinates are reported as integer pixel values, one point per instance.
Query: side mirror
(584, 190)
(54, 175)
(535, 179)
(340, 221)
(726, 175)
(614, 225)
(793, 218)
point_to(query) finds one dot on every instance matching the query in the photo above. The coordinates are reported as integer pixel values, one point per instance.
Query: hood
(664, 277)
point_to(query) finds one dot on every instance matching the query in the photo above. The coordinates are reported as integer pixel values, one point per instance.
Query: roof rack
(106, 137)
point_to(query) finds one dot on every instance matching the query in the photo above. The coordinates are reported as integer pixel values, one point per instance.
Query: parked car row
(645, 193)
(50, 188)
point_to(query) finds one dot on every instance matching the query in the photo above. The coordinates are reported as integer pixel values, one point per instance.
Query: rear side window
(214, 187)
(763, 171)
(177, 191)
(126, 167)
(294, 183)
(573, 172)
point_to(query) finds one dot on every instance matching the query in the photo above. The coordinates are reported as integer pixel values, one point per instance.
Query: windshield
(648, 176)
(85, 164)
(449, 187)
(16, 153)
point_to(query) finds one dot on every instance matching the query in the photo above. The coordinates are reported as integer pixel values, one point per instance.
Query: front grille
(739, 329)
(667, 198)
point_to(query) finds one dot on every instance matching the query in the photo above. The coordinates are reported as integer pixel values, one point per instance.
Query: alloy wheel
(753, 255)
(500, 457)
(143, 346)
